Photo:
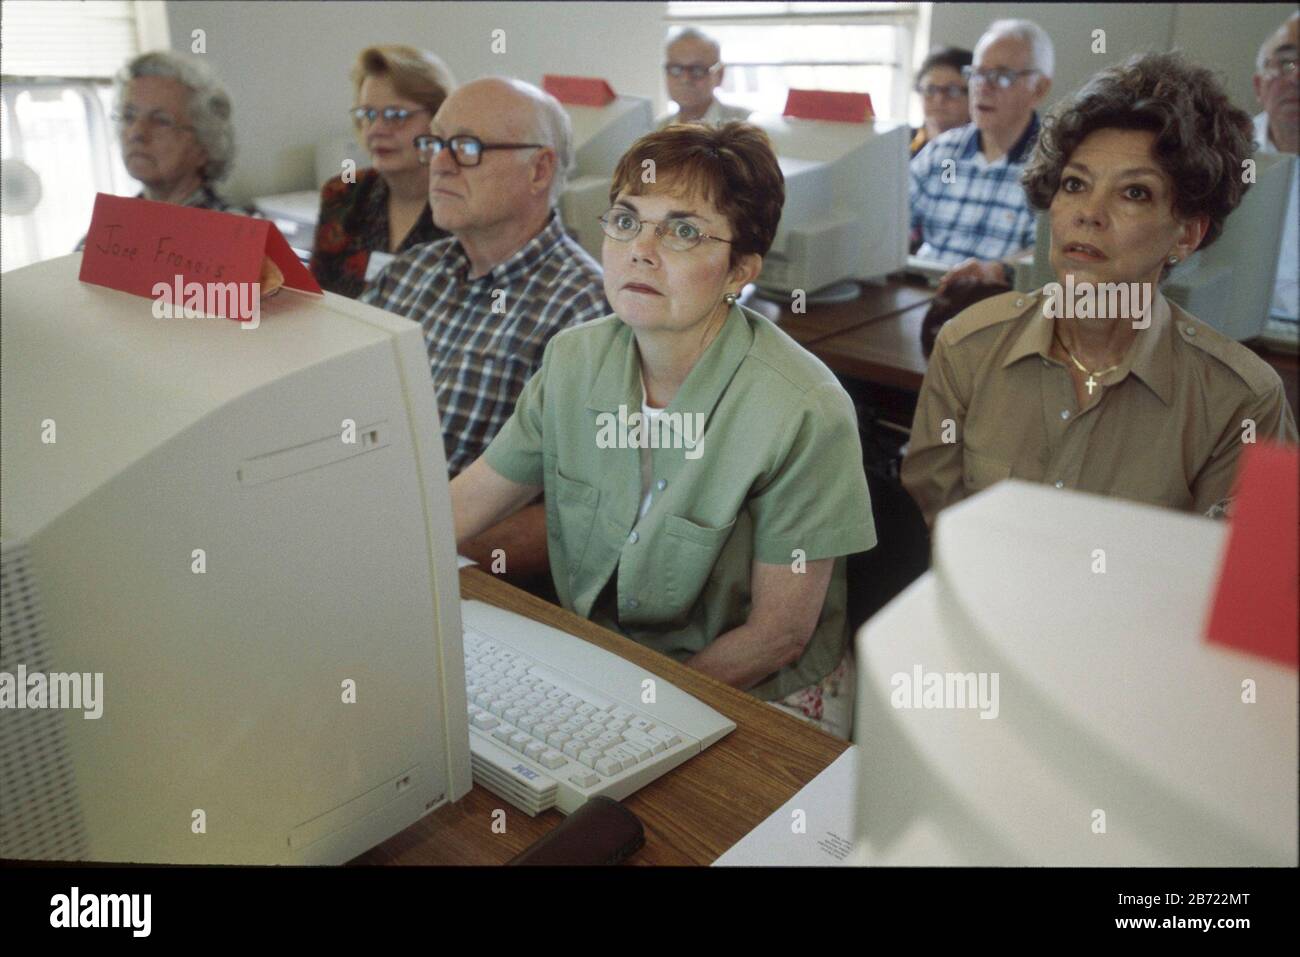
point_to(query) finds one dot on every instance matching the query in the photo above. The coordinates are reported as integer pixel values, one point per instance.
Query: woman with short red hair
(702, 471)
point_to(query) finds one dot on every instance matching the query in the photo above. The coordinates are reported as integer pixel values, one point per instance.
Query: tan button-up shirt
(1166, 427)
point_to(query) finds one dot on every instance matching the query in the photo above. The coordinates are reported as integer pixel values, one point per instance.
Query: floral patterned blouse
(353, 222)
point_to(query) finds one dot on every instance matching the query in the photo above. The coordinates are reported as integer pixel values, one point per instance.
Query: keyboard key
(534, 750)
(572, 701)
(513, 715)
(586, 710)
(485, 721)
(557, 739)
(502, 734)
(519, 740)
(482, 699)
(624, 713)
(640, 750)
(585, 779)
(642, 724)
(560, 681)
(542, 729)
(551, 759)
(589, 757)
(574, 748)
(608, 766)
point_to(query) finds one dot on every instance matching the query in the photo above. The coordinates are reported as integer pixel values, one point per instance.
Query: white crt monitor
(846, 212)
(243, 536)
(1230, 284)
(1044, 696)
(601, 135)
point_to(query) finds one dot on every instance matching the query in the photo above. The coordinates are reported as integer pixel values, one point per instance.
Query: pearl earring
(729, 299)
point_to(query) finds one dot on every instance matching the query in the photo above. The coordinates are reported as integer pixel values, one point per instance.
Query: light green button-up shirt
(758, 458)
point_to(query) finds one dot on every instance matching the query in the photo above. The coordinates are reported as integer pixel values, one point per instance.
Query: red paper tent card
(578, 90)
(829, 105)
(140, 246)
(1257, 603)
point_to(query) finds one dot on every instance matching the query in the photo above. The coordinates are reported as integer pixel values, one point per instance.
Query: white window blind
(89, 40)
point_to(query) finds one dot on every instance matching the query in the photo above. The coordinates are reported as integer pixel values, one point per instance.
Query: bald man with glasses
(491, 296)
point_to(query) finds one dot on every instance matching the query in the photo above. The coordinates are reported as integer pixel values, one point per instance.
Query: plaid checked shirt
(486, 336)
(983, 211)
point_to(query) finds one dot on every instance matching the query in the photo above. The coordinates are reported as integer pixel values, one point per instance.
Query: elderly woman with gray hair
(173, 122)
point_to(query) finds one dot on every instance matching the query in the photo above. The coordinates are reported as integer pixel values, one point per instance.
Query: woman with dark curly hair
(703, 473)
(1097, 382)
(367, 218)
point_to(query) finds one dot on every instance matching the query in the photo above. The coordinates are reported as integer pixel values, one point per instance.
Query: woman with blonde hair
(368, 217)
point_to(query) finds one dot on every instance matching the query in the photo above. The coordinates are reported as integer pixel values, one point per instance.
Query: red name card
(1257, 602)
(578, 90)
(136, 244)
(829, 105)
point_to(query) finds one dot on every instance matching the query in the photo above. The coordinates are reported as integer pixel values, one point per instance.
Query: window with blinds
(769, 48)
(56, 140)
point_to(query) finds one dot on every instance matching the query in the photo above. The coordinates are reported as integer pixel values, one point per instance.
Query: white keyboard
(555, 720)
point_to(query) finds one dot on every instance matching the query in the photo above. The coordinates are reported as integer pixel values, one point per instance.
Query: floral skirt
(829, 703)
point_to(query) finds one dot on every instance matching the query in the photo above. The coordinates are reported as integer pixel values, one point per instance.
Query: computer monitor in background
(601, 135)
(243, 537)
(846, 212)
(1021, 704)
(1229, 285)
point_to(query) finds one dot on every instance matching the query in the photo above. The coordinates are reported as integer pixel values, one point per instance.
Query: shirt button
(633, 537)
(1191, 330)
(1065, 413)
(1045, 362)
(633, 603)
(1019, 303)
(661, 484)
(1060, 484)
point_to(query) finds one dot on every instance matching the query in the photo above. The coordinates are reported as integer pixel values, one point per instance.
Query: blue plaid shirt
(486, 336)
(979, 208)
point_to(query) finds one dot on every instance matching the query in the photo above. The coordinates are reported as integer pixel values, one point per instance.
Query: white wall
(1223, 37)
(286, 64)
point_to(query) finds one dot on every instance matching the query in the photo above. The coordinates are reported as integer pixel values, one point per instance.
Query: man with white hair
(490, 296)
(693, 70)
(968, 207)
(1277, 130)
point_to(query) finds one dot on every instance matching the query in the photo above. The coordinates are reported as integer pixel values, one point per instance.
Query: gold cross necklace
(1091, 381)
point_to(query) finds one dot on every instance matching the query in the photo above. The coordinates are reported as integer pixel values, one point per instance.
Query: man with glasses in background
(968, 207)
(490, 296)
(1277, 130)
(693, 70)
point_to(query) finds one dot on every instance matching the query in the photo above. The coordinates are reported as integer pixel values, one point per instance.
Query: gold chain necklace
(1091, 381)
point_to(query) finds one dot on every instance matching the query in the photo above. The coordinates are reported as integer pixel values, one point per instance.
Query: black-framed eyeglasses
(695, 70)
(158, 119)
(390, 114)
(678, 235)
(465, 150)
(1002, 79)
(948, 91)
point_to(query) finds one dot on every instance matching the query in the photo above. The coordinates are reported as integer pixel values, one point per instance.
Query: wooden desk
(820, 322)
(691, 815)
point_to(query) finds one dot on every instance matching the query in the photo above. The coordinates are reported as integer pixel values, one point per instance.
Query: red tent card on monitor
(1257, 600)
(190, 262)
(828, 105)
(578, 90)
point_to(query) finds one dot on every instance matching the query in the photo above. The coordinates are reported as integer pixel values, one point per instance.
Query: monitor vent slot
(40, 812)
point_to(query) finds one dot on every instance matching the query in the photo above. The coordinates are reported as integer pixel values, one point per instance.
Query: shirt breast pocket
(981, 471)
(692, 550)
(571, 514)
